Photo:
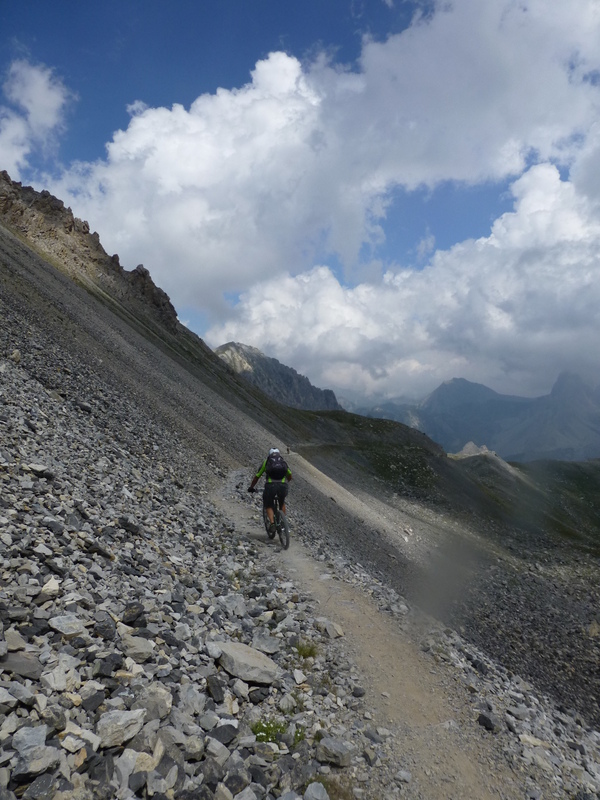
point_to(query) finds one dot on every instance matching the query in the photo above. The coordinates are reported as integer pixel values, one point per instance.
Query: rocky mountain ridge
(50, 227)
(275, 379)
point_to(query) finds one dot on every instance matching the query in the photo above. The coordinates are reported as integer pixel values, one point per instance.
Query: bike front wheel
(283, 529)
(267, 524)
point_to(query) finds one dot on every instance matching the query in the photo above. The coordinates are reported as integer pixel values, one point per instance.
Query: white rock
(247, 663)
(116, 727)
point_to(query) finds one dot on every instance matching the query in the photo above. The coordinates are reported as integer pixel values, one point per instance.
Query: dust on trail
(425, 706)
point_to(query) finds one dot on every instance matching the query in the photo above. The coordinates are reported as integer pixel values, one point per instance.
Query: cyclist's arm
(256, 478)
(288, 477)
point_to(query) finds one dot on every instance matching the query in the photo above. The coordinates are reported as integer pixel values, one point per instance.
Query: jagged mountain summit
(564, 425)
(280, 382)
(67, 243)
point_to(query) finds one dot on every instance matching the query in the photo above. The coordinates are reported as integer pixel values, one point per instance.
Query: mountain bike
(282, 525)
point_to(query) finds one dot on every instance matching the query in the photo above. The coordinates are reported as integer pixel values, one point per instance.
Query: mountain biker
(277, 477)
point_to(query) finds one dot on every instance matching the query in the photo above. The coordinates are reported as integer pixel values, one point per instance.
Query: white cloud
(218, 190)
(15, 142)
(38, 100)
(249, 188)
(301, 163)
(509, 310)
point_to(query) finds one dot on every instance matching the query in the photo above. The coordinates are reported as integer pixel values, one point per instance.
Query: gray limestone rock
(266, 643)
(191, 699)
(7, 700)
(34, 756)
(247, 663)
(217, 751)
(247, 794)
(14, 640)
(26, 665)
(70, 625)
(316, 791)
(156, 700)
(489, 721)
(222, 792)
(105, 626)
(334, 751)
(137, 648)
(116, 727)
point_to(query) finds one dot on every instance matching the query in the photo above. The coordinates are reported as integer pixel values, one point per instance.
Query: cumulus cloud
(301, 163)
(508, 310)
(248, 189)
(33, 116)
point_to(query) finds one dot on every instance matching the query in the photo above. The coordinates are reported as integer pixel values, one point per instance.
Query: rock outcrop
(275, 379)
(66, 242)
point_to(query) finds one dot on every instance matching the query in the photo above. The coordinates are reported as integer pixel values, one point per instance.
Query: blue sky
(382, 194)
(114, 52)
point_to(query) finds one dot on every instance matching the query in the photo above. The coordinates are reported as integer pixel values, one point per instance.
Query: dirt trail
(438, 740)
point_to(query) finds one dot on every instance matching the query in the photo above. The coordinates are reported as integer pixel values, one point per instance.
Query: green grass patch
(271, 730)
(306, 649)
(268, 730)
(299, 735)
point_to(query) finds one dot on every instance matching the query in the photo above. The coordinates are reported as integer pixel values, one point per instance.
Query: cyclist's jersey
(263, 467)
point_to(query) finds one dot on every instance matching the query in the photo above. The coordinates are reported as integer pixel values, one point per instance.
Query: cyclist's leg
(282, 495)
(283, 527)
(268, 501)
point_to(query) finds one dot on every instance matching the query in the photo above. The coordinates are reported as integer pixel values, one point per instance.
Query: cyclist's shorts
(272, 490)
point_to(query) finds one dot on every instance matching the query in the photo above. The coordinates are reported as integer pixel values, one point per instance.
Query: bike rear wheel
(283, 529)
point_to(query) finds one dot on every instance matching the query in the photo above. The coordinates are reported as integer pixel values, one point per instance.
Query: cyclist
(277, 476)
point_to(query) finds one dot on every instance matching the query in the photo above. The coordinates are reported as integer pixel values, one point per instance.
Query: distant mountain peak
(238, 356)
(569, 383)
(564, 425)
(457, 392)
(275, 379)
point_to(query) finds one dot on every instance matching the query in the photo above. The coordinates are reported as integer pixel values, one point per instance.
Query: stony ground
(123, 589)
(146, 650)
(154, 644)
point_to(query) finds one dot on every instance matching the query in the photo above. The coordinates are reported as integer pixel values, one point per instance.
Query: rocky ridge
(66, 241)
(275, 379)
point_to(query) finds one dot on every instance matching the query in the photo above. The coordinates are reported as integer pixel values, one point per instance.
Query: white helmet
(273, 450)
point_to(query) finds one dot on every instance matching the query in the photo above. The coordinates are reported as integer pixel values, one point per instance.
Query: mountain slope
(71, 287)
(470, 512)
(276, 380)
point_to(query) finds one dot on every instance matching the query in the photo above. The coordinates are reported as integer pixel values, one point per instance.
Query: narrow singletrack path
(438, 740)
